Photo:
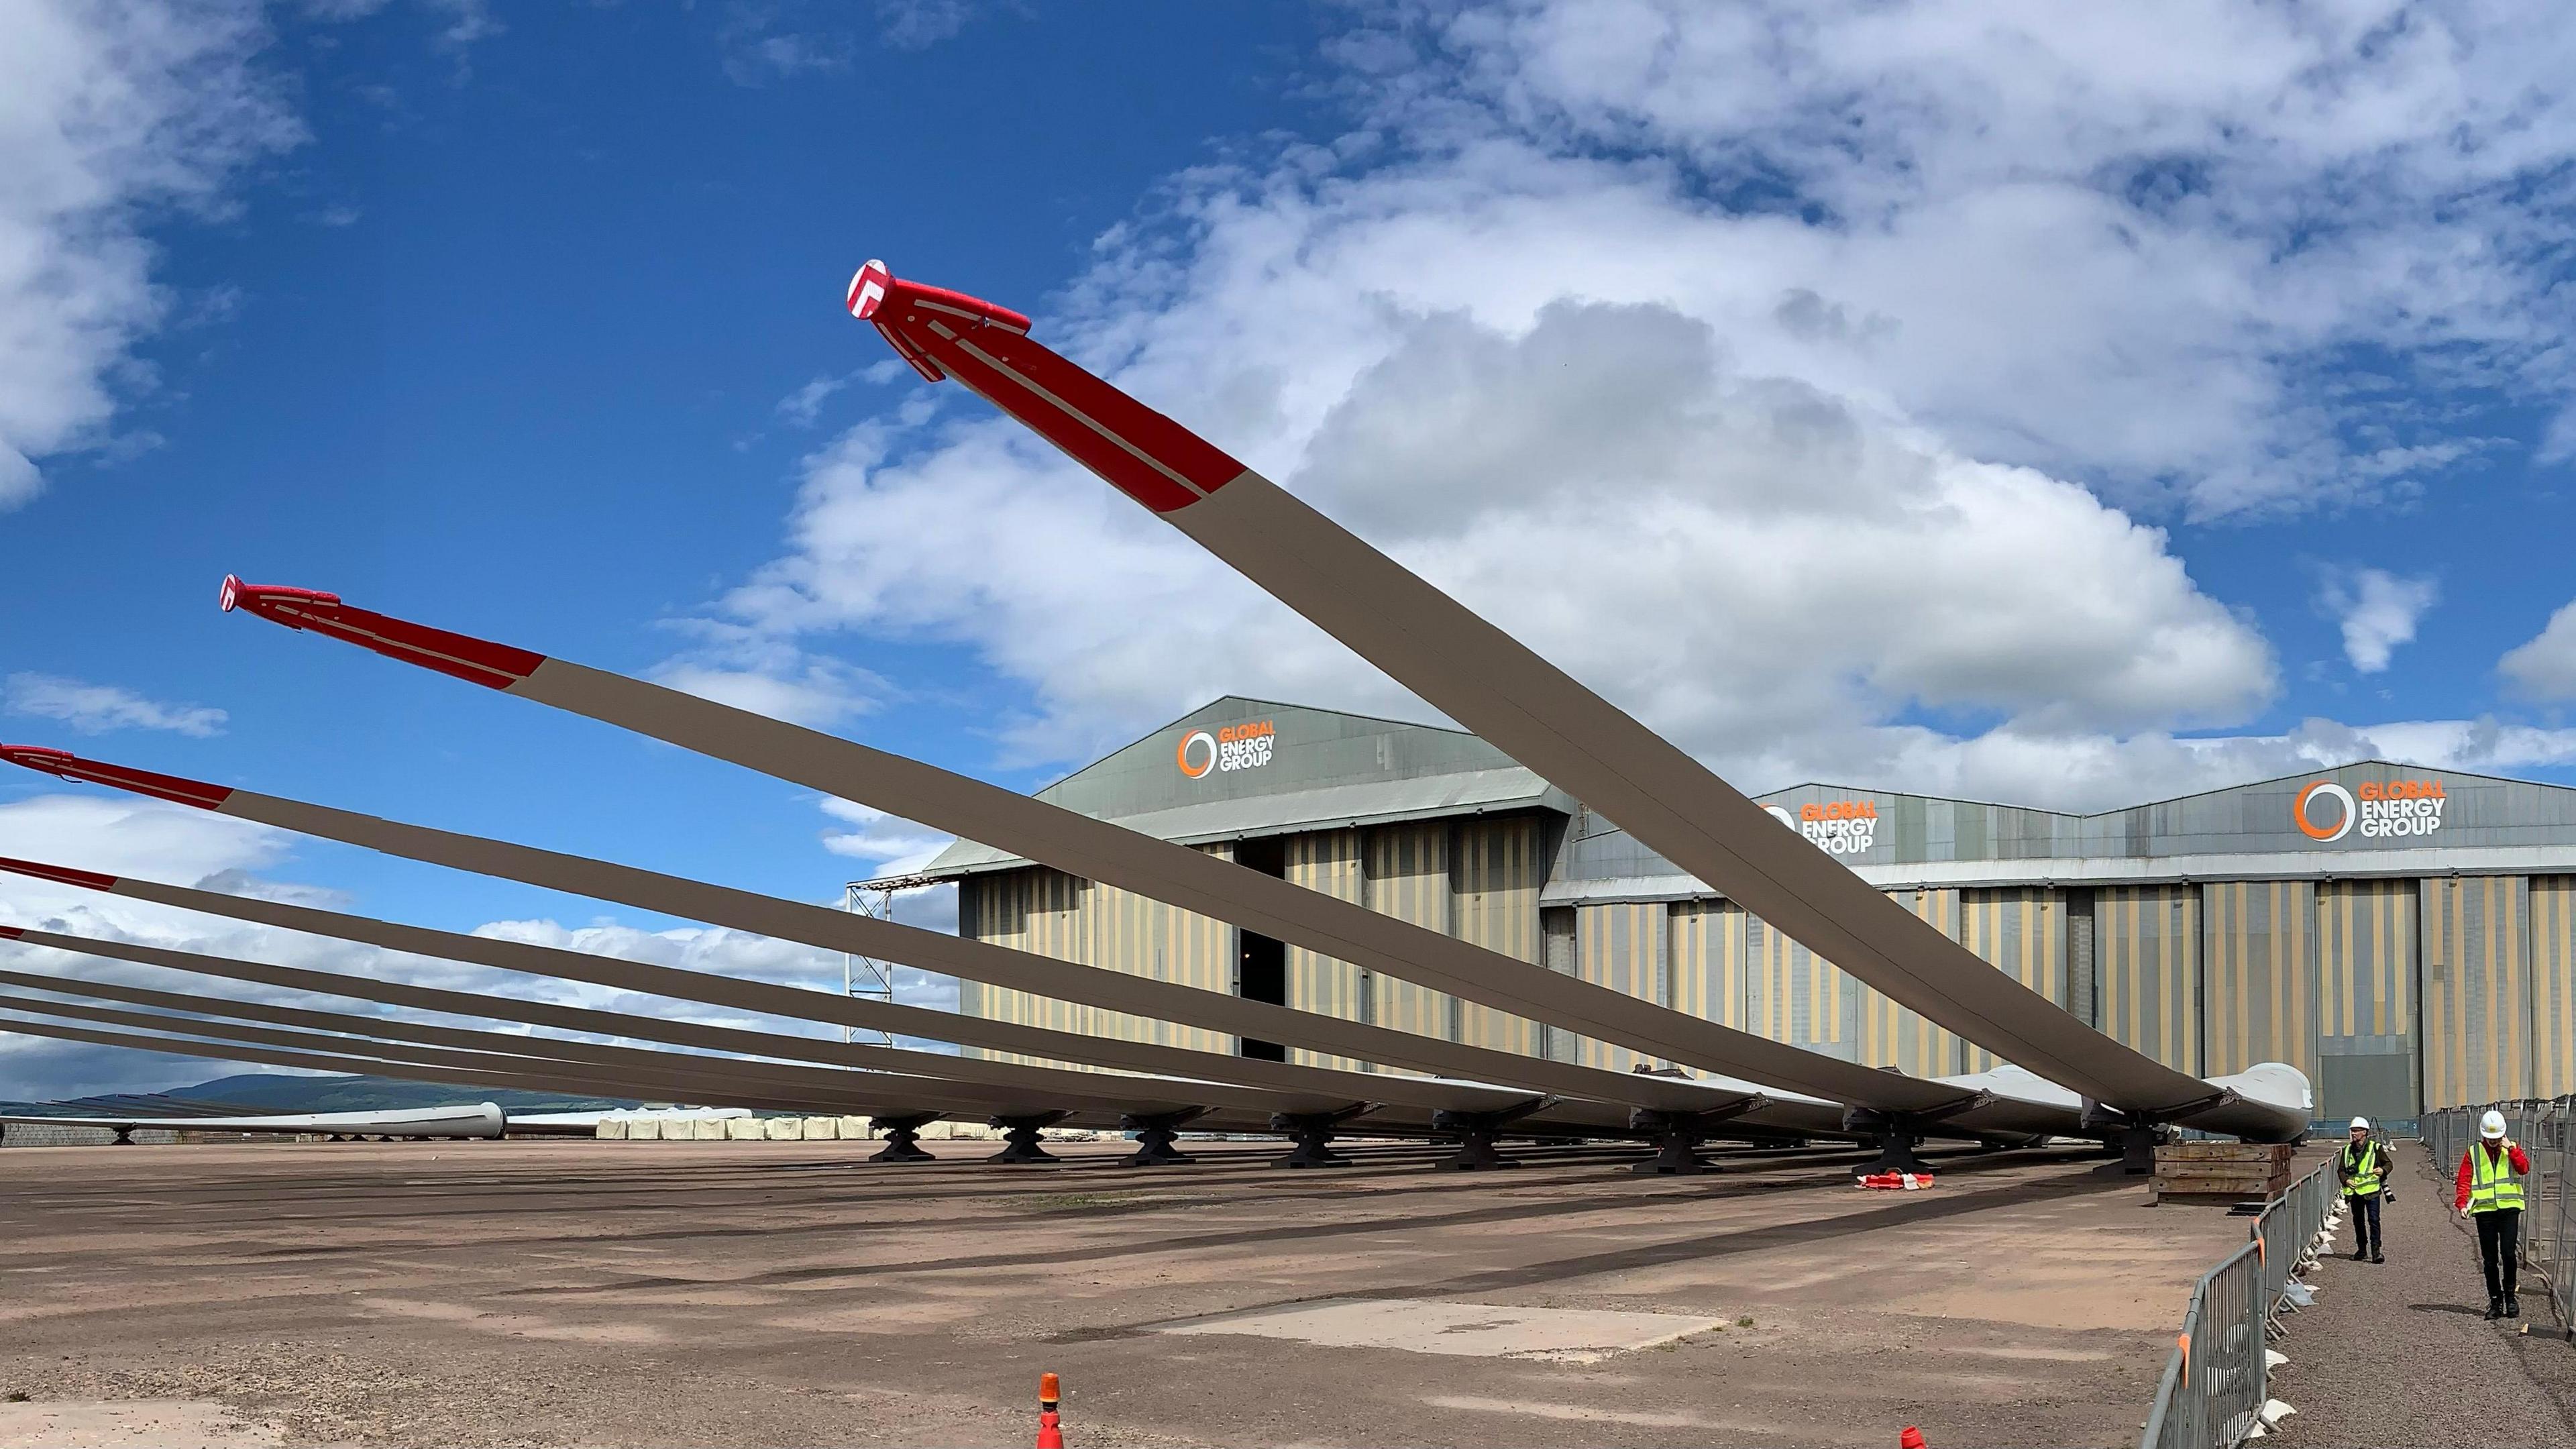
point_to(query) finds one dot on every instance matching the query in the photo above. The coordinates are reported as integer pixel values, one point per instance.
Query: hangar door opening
(2367, 986)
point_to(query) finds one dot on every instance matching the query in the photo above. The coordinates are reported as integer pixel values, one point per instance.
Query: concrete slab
(856, 1129)
(782, 1129)
(610, 1129)
(644, 1129)
(702, 1129)
(820, 1129)
(1472, 1330)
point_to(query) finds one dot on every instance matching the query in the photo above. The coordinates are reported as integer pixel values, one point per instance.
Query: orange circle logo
(2309, 827)
(1191, 741)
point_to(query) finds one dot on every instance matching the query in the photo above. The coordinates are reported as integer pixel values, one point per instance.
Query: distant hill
(275, 1092)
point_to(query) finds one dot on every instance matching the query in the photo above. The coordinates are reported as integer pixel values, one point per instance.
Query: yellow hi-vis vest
(2492, 1185)
(2365, 1170)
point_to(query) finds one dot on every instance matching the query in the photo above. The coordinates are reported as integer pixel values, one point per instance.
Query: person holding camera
(2362, 1168)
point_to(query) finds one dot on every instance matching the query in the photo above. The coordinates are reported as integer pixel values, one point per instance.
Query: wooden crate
(2219, 1172)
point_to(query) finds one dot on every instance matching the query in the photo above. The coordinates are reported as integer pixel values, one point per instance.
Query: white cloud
(895, 846)
(97, 708)
(755, 59)
(1769, 367)
(2545, 666)
(2121, 240)
(768, 675)
(1801, 564)
(803, 405)
(2378, 612)
(2558, 440)
(126, 836)
(110, 113)
(465, 22)
(920, 24)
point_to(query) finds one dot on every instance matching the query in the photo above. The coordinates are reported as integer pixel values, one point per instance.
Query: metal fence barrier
(2544, 1130)
(2216, 1381)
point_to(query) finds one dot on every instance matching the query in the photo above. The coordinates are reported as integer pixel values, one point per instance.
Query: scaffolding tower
(866, 977)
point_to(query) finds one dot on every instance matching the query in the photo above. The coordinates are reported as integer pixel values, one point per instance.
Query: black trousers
(2365, 1221)
(2499, 1245)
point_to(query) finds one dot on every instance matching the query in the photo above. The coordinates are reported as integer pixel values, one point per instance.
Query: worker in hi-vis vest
(2490, 1190)
(2362, 1167)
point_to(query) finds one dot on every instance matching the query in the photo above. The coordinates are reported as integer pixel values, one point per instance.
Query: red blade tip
(178, 789)
(37, 757)
(59, 873)
(879, 296)
(263, 599)
(11, 933)
(868, 289)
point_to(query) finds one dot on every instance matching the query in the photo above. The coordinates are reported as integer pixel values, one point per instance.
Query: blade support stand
(1898, 1136)
(1155, 1135)
(1677, 1136)
(1022, 1135)
(1312, 1132)
(1478, 1134)
(903, 1137)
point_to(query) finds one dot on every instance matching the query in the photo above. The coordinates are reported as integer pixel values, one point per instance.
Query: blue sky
(2015, 406)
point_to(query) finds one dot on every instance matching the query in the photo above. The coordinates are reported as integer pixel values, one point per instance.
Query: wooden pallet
(2219, 1172)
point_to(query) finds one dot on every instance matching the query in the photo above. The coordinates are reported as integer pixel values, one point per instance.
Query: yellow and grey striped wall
(2392, 994)
(1071, 919)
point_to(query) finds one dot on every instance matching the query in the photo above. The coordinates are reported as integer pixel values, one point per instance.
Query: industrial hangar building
(2406, 936)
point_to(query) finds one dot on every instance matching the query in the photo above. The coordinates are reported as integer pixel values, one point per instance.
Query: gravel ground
(499, 1295)
(2400, 1353)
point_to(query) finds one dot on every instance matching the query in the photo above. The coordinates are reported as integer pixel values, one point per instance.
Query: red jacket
(2521, 1164)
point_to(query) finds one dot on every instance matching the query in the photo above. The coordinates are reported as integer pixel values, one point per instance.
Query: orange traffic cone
(1050, 1430)
(1912, 1438)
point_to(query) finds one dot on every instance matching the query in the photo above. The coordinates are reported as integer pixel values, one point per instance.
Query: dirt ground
(535, 1293)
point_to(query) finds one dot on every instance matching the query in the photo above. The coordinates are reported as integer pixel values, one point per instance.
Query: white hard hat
(2491, 1125)
(2360, 1124)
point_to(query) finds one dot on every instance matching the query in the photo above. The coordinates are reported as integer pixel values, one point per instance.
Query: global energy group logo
(1234, 747)
(2326, 812)
(1837, 827)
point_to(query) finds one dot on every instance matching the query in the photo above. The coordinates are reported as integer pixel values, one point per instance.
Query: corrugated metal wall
(2477, 990)
(1500, 868)
(1329, 861)
(1623, 947)
(2259, 981)
(1559, 950)
(1408, 878)
(2367, 988)
(1705, 962)
(1897, 1036)
(1796, 996)
(2553, 984)
(2354, 982)
(2146, 940)
(2083, 959)
(1071, 919)
(2022, 933)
